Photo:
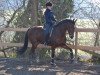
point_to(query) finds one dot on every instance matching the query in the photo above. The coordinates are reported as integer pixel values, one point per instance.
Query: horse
(36, 36)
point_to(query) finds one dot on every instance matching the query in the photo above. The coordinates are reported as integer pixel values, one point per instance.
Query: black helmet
(48, 4)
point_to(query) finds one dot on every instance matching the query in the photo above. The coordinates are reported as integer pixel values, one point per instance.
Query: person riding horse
(36, 35)
(49, 21)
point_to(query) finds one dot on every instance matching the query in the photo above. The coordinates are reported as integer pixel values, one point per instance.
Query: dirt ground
(23, 67)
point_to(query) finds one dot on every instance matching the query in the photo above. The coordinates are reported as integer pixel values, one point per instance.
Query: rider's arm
(52, 17)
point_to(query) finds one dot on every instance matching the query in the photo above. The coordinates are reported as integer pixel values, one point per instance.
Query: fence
(76, 46)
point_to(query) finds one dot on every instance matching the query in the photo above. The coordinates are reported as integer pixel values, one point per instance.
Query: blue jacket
(49, 17)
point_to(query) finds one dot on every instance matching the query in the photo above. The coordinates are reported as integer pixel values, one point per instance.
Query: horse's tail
(23, 49)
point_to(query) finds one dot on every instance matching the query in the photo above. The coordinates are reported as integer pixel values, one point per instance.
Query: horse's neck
(62, 28)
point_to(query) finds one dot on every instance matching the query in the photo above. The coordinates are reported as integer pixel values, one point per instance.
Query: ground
(10, 66)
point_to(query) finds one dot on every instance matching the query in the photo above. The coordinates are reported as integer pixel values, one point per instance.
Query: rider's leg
(46, 34)
(46, 38)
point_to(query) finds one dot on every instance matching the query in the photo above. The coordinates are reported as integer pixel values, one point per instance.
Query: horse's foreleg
(71, 52)
(52, 56)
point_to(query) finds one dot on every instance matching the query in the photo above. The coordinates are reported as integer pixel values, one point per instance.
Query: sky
(10, 3)
(95, 1)
(88, 9)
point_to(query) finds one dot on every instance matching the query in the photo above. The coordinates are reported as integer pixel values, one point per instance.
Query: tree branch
(13, 16)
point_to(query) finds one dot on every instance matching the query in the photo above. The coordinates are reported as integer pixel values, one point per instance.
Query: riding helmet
(48, 4)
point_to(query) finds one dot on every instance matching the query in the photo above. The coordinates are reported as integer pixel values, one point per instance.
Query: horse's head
(71, 28)
(68, 25)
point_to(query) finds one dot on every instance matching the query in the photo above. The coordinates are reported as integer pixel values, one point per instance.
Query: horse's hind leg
(32, 55)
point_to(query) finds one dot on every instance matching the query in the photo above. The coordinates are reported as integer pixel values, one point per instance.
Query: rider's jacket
(49, 17)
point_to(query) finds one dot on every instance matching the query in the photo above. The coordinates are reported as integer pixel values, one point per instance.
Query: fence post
(76, 42)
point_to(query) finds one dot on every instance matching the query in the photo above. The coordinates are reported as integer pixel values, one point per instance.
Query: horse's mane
(64, 21)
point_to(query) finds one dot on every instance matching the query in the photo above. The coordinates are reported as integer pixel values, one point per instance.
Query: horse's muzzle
(71, 36)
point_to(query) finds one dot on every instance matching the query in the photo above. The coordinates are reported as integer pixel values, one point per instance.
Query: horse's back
(36, 29)
(36, 33)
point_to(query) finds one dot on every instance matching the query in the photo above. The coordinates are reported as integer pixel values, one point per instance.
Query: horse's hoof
(53, 64)
(71, 61)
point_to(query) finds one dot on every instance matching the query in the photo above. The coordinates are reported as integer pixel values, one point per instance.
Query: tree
(27, 18)
(62, 8)
(95, 58)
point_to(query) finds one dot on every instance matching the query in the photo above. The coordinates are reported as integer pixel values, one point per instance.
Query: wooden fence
(76, 46)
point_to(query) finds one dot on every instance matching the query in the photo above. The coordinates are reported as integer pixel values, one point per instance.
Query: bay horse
(36, 36)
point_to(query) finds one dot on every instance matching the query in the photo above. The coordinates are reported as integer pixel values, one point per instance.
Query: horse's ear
(75, 20)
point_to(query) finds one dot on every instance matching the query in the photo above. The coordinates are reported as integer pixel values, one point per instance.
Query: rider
(49, 20)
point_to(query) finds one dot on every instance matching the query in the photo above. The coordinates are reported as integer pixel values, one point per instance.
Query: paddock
(10, 66)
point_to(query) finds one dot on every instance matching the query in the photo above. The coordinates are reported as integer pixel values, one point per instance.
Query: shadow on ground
(24, 67)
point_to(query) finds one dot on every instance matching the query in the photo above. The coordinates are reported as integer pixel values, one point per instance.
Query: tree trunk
(97, 36)
(96, 43)
(33, 5)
